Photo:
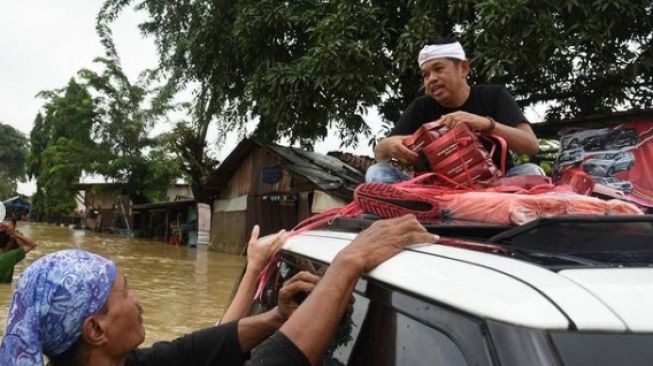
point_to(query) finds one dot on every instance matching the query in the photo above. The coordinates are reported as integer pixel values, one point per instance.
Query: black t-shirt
(484, 100)
(218, 346)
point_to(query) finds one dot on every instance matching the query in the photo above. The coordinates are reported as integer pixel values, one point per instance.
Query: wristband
(490, 128)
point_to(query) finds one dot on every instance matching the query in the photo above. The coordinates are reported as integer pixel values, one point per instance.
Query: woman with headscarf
(75, 308)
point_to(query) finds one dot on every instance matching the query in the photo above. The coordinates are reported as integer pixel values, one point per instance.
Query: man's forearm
(381, 153)
(519, 139)
(313, 324)
(24, 242)
(255, 329)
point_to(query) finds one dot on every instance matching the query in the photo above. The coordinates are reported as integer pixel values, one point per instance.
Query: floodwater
(181, 289)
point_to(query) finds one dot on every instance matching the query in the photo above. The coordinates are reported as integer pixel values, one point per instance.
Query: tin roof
(328, 173)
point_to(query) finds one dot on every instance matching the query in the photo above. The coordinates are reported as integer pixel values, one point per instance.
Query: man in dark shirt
(483, 108)
(76, 308)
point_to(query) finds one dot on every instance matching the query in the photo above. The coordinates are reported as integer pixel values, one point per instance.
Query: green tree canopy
(13, 157)
(303, 66)
(100, 124)
(584, 57)
(124, 119)
(61, 147)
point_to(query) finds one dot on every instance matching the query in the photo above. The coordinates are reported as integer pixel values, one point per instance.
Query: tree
(99, 125)
(61, 148)
(187, 141)
(584, 57)
(122, 125)
(301, 67)
(13, 156)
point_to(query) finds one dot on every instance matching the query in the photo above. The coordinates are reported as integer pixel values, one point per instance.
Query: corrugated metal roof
(177, 203)
(360, 162)
(326, 172)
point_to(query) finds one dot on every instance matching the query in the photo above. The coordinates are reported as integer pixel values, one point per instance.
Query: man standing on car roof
(483, 108)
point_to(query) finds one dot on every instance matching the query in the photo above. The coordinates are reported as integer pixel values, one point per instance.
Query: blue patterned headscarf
(52, 299)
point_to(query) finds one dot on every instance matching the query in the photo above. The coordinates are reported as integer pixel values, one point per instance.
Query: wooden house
(275, 187)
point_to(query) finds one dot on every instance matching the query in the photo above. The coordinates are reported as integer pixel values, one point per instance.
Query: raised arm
(313, 324)
(24, 242)
(259, 253)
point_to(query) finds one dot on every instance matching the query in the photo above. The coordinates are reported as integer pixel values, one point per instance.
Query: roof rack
(565, 230)
(451, 228)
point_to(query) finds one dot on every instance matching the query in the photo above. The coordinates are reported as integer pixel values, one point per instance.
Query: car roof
(506, 289)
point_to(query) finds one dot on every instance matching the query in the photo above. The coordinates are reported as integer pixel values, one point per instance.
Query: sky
(44, 43)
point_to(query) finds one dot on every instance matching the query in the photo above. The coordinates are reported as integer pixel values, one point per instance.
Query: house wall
(179, 192)
(272, 213)
(232, 222)
(228, 232)
(103, 200)
(263, 158)
(246, 200)
(323, 201)
(239, 184)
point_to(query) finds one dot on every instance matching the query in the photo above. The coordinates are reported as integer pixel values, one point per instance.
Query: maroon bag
(458, 157)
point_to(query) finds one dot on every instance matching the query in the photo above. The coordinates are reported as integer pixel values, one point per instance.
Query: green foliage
(301, 67)
(13, 156)
(7, 189)
(545, 156)
(13, 152)
(124, 117)
(100, 126)
(586, 57)
(61, 147)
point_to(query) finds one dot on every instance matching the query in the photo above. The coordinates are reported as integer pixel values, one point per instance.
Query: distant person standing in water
(13, 247)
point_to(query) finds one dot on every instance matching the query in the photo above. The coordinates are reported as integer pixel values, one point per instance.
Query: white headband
(430, 52)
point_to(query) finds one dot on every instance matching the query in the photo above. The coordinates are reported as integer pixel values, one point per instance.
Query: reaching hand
(260, 251)
(393, 147)
(383, 239)
(294, 291)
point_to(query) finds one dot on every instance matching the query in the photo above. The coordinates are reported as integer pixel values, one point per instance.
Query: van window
(385, 327)
(376, 334)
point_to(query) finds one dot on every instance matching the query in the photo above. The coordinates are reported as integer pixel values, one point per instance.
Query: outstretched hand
(383, 239)
(261, 251)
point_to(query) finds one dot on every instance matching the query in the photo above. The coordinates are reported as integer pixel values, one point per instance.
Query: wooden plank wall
(229, 232)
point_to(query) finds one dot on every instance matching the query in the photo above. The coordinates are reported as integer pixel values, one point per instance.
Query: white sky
(44, 43)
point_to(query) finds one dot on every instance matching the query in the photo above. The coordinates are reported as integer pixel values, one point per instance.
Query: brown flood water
(181, 289)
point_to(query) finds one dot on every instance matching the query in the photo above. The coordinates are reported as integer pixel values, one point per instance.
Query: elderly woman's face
(124, 316)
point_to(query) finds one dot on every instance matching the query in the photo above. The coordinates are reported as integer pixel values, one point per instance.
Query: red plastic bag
(457, 157)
